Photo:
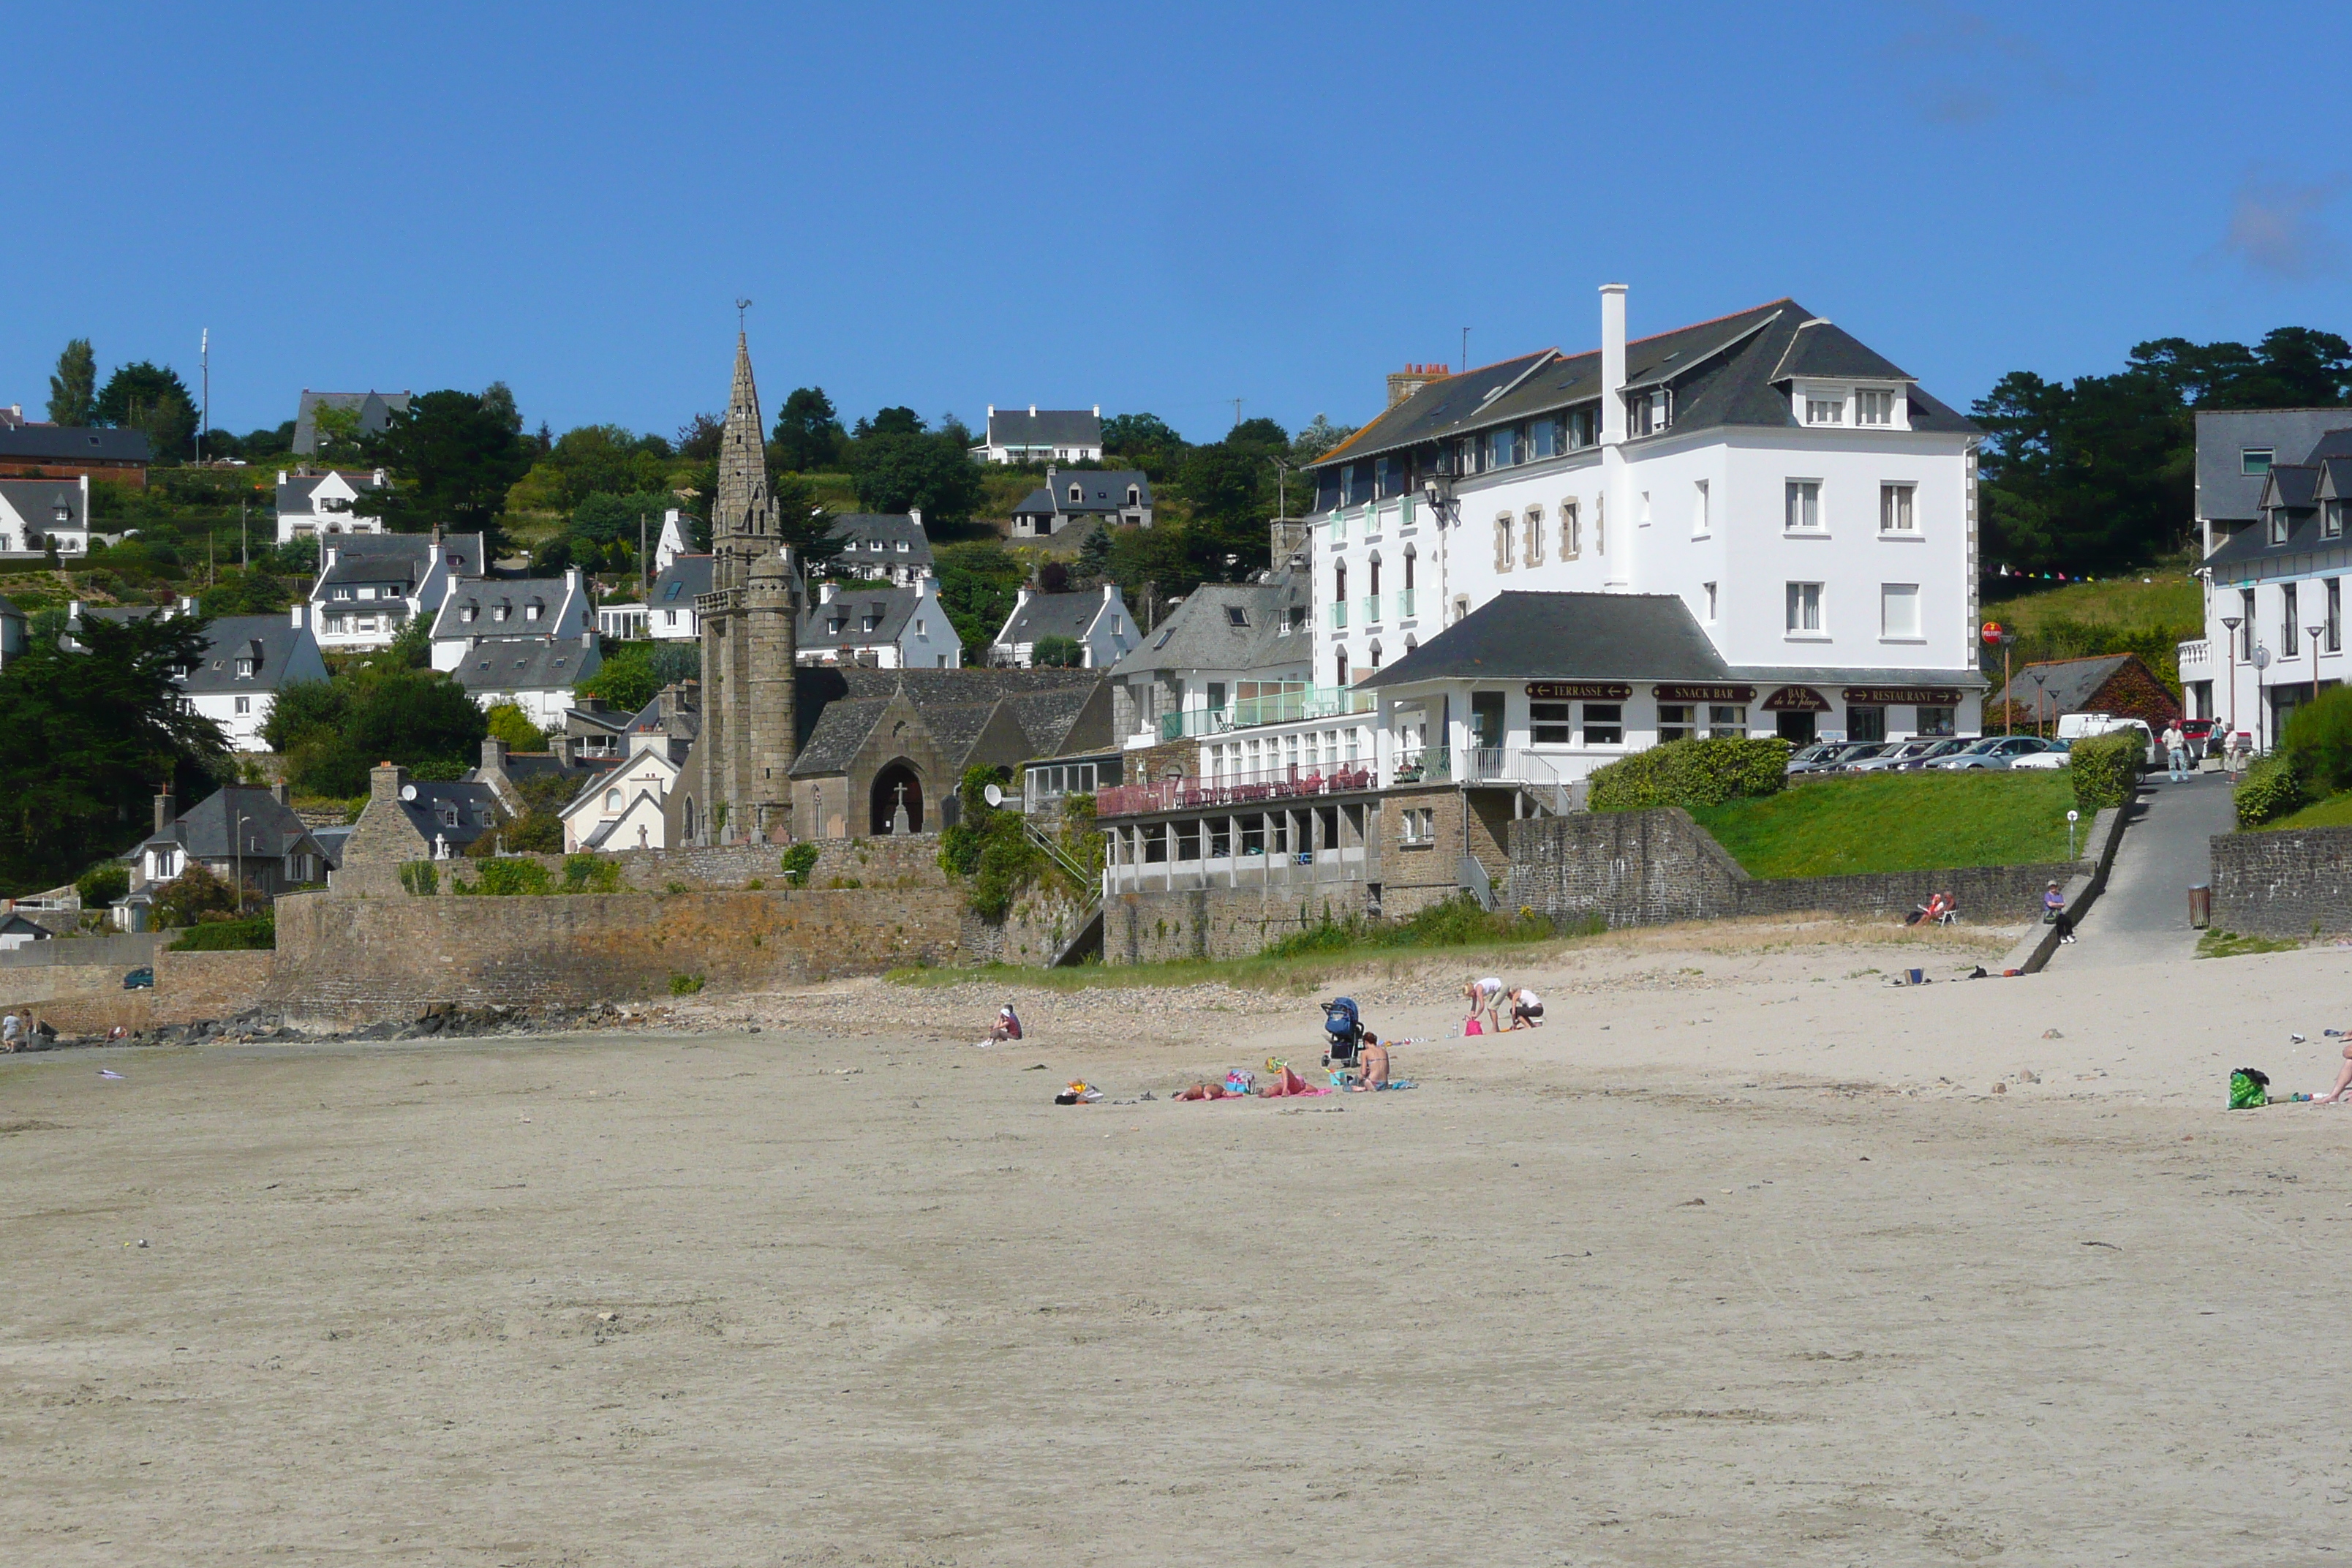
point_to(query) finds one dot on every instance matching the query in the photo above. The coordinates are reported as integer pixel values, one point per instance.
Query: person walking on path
(12, 1037)
(2176, 751)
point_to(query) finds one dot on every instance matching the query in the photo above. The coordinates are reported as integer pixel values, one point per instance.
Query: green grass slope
(1897, 822)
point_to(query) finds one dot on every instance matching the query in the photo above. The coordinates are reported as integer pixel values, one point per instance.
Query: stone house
(240, 833)
(410, 820)
(1118, 498)
(2115, 683)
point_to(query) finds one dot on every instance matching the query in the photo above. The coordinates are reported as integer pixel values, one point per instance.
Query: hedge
(255, 932)
(2272, 789)
(2105, 768)
(1691, 774)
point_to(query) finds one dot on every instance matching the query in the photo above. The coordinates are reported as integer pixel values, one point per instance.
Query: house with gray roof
(71, 451)
(888, 547)
(247, 660)
(407, 820)
(670, 604)
(1115, 498)
(313, 504)
(374, 410)
(370, 585)
(536, 674)
(1097, 621)
(1042, 436)
(37, 516)
(241, 833)
(2279, 517)
(479, 609)
(881, 628)
(1230, 654)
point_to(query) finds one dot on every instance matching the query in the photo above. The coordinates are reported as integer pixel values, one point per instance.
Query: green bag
(2249, 1089)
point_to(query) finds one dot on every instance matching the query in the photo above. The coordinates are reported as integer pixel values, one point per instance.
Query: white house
(625, 807)
(676, 539)
(248, 660)
(1041, 435)
(36, 514)
(1097, 622)
(670, 607)
(372, 584)
(1230, 655)
(2273, 500)
(1763, 481)
(312, 504)
(888, 547)
(476, 609)
(1120, 497)
(536, 674)
(881, 628)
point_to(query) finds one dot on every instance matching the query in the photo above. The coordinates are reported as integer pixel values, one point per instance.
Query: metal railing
(1291, 783)
(1535, 773)
(1306, 703)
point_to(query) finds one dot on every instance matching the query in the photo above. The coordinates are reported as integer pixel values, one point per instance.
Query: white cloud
(2279, 228)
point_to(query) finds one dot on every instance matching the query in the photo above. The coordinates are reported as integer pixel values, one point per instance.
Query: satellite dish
(409, 792)
(994, 794)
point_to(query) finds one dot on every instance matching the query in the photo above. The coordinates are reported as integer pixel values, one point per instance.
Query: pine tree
(74, 388)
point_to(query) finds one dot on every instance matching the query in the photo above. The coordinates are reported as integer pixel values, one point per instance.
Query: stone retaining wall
(87, 998)
(1220, 922)
(912, 861)
(2294, 883)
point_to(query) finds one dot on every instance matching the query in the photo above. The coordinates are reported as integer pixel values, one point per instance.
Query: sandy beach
(1745, 1257)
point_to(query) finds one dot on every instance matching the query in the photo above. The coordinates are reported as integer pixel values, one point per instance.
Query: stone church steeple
(748, 636)
(743, 514)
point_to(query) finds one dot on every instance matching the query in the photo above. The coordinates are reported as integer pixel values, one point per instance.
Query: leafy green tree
(637, 672)
(102, 884)
(90, 736)
(135, 389)
(1058, 653)
(73, 390)
(977, 585)
(302, 710)
(334, 430)
(1260, 434)
(509, 723)
(895, 421)
(1095, 553)
(452, 458)
(196, 892)
(241, 593)
(896, 472)
(498, 403)
(1319, 437)
(699, 438)
(419, 718)
(808, 434)
(607, 517)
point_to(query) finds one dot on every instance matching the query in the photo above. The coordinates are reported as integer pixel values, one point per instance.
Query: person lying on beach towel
(1288, 1084)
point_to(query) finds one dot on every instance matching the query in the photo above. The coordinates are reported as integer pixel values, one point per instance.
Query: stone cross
(899, 825)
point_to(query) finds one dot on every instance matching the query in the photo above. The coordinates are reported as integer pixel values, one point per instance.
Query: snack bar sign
(1579, 690)
(1668, 692)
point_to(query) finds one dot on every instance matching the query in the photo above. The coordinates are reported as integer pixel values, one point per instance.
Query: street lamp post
(2229, 741)
(2040, 678)
(239, 851)
(2315, 631)
(2261, 662)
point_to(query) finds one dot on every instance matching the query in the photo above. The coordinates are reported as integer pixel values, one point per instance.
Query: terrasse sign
(1579, 690)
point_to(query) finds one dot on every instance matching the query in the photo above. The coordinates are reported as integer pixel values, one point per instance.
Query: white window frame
(1533, 553)
(1872, 400)
(1801, 509)
(1504, 546)
(1571, 530)
(1802, 601)
(1889, 593)
(1824, 407)
(1898, 508)
(1701, 526)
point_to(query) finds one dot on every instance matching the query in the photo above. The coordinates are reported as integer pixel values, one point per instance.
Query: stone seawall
(342, 958)
(2294, 883)
(87, 998)
(1219, 922)
(718, 867)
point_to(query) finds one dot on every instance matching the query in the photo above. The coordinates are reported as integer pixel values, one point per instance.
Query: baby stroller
(1343, 1033)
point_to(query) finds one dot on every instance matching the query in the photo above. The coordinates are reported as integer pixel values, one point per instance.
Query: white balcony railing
(2197, 653)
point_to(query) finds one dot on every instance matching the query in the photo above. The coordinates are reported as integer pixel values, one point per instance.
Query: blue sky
(1156, 208)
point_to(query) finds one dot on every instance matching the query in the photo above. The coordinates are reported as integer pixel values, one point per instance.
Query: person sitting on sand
(2343, 1081)
(1007, 1026)
(1526, 1007)
(1486, 996)
(1371, 1065)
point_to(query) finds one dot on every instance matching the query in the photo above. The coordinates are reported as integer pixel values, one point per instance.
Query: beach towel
(1288, 1084)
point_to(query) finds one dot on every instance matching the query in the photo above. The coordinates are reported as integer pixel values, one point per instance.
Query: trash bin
(2200, 906)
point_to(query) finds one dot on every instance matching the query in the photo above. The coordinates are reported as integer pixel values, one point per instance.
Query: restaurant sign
(1909, 696)
(1685, 692)
(1796, 699)
(1579, 690)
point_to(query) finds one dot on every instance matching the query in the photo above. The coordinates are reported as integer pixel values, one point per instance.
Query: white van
(2082, 726)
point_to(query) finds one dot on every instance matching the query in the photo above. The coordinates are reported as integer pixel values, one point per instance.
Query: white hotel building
(1791, 518)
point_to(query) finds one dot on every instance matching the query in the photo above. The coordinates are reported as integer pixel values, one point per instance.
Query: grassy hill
(1897, 822)
(2148, 614)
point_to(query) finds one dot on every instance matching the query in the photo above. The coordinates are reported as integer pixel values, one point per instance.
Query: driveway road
(2142, 914)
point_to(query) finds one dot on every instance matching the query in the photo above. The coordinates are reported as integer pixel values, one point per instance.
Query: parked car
(1858, 752)
(140, 979)
(1897, 755)
(1820, 755)
(1935, 752)
(1992, 751)
(2059, 755)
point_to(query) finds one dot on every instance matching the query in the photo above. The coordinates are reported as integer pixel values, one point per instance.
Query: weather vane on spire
(741, 306)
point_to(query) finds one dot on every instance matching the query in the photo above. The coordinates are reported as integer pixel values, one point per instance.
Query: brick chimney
(1403, 383)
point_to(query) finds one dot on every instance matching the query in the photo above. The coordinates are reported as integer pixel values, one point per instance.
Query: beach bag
(2249, 1089)
(1473, 1026)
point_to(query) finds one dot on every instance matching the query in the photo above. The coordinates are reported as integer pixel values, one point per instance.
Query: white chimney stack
(1612, 363)
(826, 592)
(297, 613)
(1033, 411)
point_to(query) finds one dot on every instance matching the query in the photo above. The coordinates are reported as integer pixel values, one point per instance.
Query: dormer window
(1134, 495)
(503, 611)
(1074, 495)
(1824, 408)
(533, 610)
(63, 513)
(2278, 525)
(1874, 408)
(2331, 524)
(1647, 413)
(245, 668)
(342, 593)
(448, 812)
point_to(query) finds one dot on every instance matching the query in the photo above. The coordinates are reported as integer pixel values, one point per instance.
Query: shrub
(421, 877)
(507, 878)
(187, 897)
(591, 874)
(2318, 742)
(2105, 768)
(1692, 774)
(2271, 789)
(254, 933)
(509, 723)
(685, 985)
(1459, 922)
(102, 884)
(799, 861)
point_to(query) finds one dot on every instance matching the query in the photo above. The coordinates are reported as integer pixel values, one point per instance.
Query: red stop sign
(1991, 632)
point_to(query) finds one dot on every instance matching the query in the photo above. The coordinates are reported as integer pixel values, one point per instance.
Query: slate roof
(372, 408)
(1055, 615)
(1045, 428)
(838, 707)
(399, 557)
(841, 729)
(208, 830)
(2226, 494)
(476, 806)
(1564, 637)
(862, 530)
(73, 444)
(2069, 683)
(526, 664)
(295, 490)
(687, 577)
(675, 712)
(1099, 490)
(485, 597)
(277, 647)
(1726, 372)
(1200, 633)
(37, 501)
(851, 605)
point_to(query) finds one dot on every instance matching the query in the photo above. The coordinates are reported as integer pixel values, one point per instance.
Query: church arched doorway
(898, 784)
